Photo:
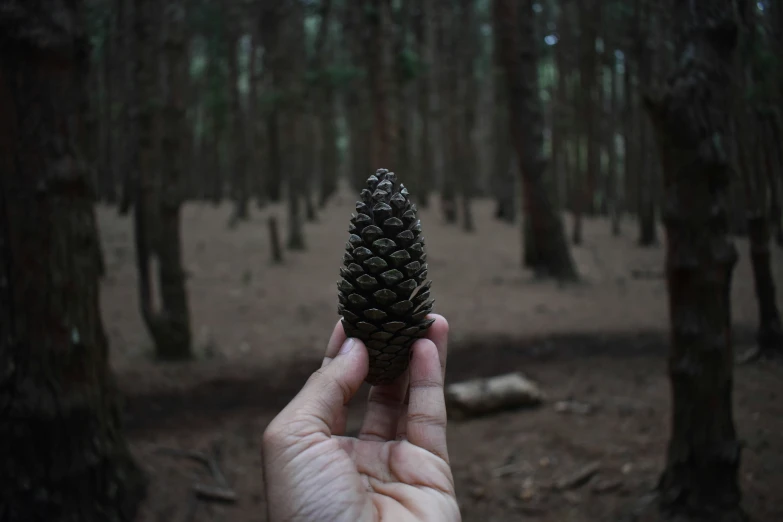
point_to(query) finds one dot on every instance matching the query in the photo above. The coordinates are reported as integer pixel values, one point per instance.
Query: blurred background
(230, 140)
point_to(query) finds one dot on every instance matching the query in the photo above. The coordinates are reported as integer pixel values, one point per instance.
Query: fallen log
(483, 396)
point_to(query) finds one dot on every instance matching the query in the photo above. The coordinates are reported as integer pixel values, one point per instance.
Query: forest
(600, 184)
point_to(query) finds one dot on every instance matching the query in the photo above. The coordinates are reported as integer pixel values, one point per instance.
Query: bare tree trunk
(294, 115)
(466, 104)
(646, 187)
(503, 175)
(158, 213)
(552, 254)
(773, 137)
(64, 455)
(108, 172)
(449, 77)
(271, 39)
(237, 155)
(613, 181)
(326, 108)
(589, 18)
(426, 47)
(692, 120)
(378, 72)
(127, 118)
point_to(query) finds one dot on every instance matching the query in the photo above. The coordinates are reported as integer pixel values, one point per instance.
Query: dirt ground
(260, 330)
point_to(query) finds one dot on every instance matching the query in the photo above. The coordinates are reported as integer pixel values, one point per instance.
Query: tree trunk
(128, 121)
(270, 30)
(356, 97)
(108, 64)
(646, 187)
(773, 137)
(326, 109)
(426, 162)
(503, 175)
(613, 179)
(466, 105)
(378, 73)
(552, 254)
(770, 332)
(692, 122)
(293, 115)
(589, 18)
(64, 453)
(449, 77)
(240, 186)
(158, 214)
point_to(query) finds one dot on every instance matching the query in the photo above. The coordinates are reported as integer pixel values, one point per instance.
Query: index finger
(438, 333)
(426, 416)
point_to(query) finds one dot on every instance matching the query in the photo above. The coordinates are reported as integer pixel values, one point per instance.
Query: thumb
(317, 408)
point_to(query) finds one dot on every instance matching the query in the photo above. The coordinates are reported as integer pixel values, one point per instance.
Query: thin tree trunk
(503, 175)
(588, 88)
(158, 213)
(466, 104)
(64, 455)
(770, 331)
(108, 183)
(552, 254)
(293, 115)
(426, 161)
(613, 181)
(128, 120)
(646, 187)
(238, 152)
(356, 98)
(272, 39)
(325, 109)
(379, 78)
(692, 120)
(449, 112)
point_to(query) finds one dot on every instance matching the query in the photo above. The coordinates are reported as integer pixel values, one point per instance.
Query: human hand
(398, 466)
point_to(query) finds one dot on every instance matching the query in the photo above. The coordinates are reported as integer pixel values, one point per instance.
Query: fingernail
(347, 346)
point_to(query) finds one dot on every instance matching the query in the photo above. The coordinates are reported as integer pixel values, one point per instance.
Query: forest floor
(260, 329)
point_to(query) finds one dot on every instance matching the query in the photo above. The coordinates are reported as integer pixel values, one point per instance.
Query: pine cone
(384, 293)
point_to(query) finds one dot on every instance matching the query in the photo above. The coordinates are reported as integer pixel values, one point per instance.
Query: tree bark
(325, 109)
(589, 18)
(552, 254)
(770, 331)
(614, 196)
(692, 122)
(293, 114)
(503, 175)
(466, 153)
(240, 186)
(270, 37)
(358, 108)
(158, 213)
(648, 235)
(378, 73)
(448, 92)
(64, 453)
(426, 161)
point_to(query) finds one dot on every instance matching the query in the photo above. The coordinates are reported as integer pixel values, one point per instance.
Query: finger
(318, 407)
(426, 413)
(438, 333)
(335, 342)
(383, 410)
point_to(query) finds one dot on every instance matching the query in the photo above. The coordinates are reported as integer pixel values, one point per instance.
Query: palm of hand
(359, 480)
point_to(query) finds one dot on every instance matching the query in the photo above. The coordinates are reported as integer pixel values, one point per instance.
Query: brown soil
(260, 329)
